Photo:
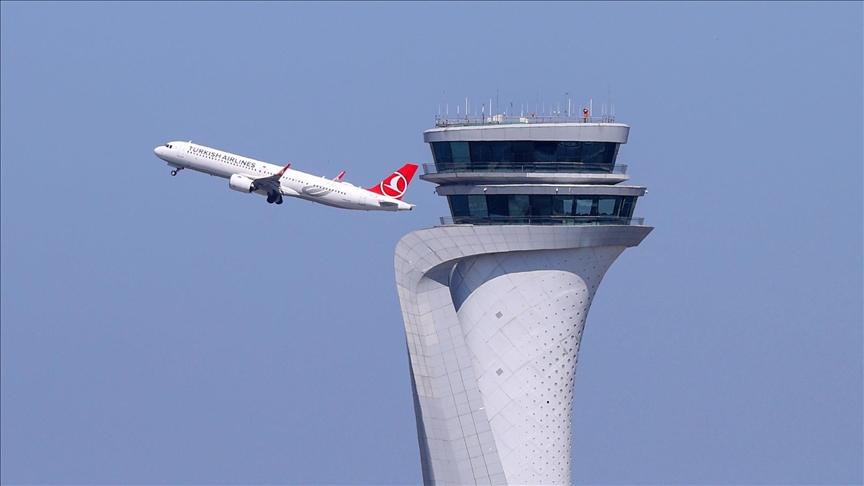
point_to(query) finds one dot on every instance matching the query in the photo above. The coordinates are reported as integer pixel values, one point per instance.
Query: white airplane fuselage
(246, 175)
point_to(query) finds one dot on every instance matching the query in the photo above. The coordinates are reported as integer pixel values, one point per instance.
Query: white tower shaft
(493, 318)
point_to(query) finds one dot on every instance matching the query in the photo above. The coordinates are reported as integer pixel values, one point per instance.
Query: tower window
(541, 209)
(525, 156)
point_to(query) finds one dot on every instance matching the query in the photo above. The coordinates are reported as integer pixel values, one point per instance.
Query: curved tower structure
(495, 298)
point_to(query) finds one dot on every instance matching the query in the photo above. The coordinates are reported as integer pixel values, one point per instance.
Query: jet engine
(240, 183)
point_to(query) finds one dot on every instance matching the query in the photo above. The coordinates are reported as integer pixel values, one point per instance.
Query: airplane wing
(270, 183)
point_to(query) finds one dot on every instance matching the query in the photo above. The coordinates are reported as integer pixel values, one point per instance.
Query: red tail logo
(397, 183)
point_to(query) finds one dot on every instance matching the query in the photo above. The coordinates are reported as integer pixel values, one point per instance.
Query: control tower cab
(531, 171)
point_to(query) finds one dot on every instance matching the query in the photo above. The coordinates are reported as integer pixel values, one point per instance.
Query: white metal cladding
(575, 132)
(560, 189)
(476, 425)
(524, 177)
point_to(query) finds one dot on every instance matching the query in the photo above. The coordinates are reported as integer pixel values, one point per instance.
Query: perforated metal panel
(523, 315)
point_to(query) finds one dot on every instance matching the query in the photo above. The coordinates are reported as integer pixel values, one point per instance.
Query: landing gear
(175, 171)
(274, 197)
(279, 201)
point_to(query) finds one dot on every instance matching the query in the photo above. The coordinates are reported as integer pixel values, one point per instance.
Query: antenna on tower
(607, 105)
(611, 106)
(443, 97)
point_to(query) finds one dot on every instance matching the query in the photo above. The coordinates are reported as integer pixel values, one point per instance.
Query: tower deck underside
(493, 318)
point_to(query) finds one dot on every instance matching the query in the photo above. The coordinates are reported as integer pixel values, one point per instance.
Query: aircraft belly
(206, 167)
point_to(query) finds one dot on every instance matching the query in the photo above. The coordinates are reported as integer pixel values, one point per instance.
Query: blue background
(169, 330)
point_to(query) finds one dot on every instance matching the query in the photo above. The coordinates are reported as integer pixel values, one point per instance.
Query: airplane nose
(158, 151)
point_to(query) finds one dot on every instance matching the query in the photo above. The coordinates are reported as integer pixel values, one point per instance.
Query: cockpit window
(168, 145)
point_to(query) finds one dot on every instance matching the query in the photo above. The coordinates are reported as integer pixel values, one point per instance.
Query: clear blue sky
(169, 330)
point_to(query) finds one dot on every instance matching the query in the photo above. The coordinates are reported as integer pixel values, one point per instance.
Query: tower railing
(542, 220)
(463, 120)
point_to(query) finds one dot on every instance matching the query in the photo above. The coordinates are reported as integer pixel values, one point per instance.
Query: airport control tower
(495, 298)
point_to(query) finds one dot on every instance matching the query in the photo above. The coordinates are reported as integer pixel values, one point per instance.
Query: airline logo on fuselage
(315, 191)
(394, 186)
(228, 159)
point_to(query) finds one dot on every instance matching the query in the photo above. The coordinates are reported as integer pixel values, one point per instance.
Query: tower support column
(493, 319)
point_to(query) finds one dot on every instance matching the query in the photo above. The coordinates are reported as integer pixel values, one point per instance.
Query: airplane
(253, 176)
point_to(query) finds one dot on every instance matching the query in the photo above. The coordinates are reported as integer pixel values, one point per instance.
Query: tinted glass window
(592, 153)
(522, 151)
(460, 152)
(568, 151)
(458, 205)
(611, 153)
(481, 151)
(498, 206)
(606, 206)
(518, 204)
(477, 206)
(545, 151)
(562, 205)
(583, 206)
(502, 152)
(528, 156)
(541, 205)
(541, 209)
(626, 207)
(441, 152)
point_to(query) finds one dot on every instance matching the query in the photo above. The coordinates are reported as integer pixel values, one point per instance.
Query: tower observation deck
(495, 298)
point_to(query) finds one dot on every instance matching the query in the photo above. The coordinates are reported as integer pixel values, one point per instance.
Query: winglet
(396, 183)
(283, 170)
(339, 177)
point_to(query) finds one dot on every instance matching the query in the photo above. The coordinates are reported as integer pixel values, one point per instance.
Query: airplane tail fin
(396, 183)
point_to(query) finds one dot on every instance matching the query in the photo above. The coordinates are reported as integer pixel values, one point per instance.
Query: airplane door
(362, 199)
(180, 151)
